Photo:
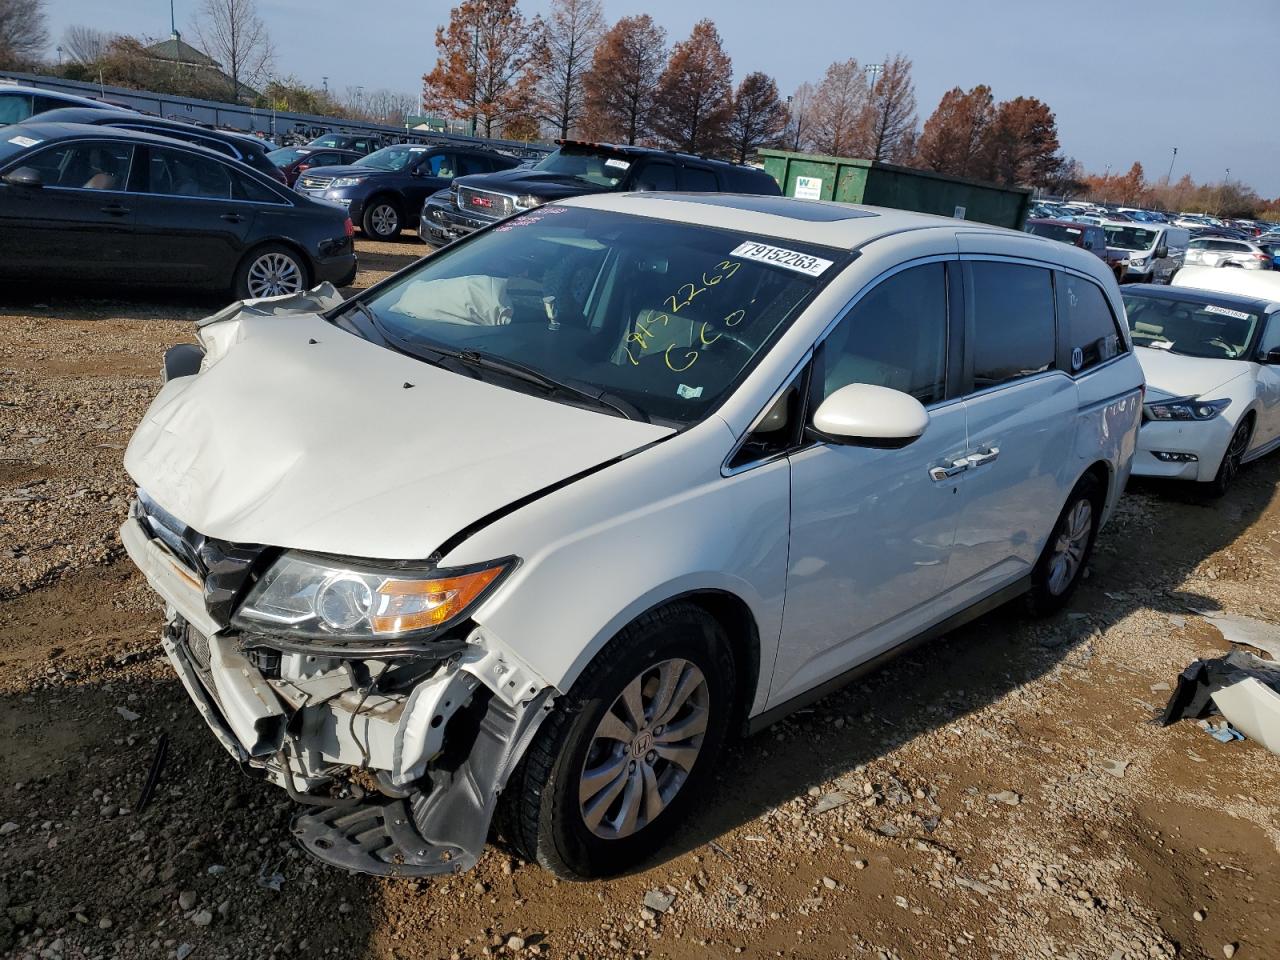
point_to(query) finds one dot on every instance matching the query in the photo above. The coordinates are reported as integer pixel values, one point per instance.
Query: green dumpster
(848, 180)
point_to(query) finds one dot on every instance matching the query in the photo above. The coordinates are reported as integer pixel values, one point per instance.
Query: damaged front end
(399, 744)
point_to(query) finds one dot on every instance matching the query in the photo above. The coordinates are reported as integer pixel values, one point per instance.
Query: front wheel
(612, 771)
(1062, 563)
(1231, 460)
(269, 271)
(381, 220)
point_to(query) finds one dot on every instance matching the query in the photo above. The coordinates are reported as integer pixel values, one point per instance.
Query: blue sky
(1128, 81)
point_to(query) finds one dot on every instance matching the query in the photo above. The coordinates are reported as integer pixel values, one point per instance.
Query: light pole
(59, 49)
(1168, 177)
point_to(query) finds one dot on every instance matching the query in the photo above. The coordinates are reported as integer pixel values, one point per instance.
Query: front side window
(656, 176)
(93, 165)
(437, 165)
(1090, 328)
(1191, 327)
(1010, 321)
(179, 174)
(662, 319)
(895, 336)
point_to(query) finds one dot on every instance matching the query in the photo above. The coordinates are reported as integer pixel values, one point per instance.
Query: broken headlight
(1186, 408)
(319, 597)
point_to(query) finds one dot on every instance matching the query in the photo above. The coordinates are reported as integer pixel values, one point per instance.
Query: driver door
(872, 529)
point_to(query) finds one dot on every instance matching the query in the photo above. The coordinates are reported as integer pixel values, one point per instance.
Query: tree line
(1227, 198)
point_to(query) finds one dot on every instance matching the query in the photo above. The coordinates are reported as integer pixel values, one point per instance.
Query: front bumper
(1206, 439)
(441, 224)
(304, 721)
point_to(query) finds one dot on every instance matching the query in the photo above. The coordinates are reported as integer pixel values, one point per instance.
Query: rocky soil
(1002, 792)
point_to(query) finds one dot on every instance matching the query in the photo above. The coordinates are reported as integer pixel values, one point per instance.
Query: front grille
(485, 203)
(222, 566)
(314, 183)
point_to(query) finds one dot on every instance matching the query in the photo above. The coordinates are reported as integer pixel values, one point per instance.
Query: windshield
(14, 108)
(1130, 238)
(282, 158)
(665, 316)
(390, 158)
(1189, 327)
(1056, 231)
(330, 141)
(600, 168)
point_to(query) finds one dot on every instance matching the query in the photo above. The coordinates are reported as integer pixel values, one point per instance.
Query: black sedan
(384, 191)
(103, 204)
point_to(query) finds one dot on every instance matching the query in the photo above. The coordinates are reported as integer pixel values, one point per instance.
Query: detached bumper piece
(404, 838)
(377, 838)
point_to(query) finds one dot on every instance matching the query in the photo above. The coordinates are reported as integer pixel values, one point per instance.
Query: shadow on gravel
(1159, 535)
(198, 866)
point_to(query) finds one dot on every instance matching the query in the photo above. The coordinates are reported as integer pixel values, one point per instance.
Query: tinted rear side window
(697, 180)
(1010, 321)
(1091, 331)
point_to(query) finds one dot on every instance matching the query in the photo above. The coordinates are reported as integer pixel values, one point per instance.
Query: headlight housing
(528, 202)
(315, 597)
(1186, 408)
(345, 182)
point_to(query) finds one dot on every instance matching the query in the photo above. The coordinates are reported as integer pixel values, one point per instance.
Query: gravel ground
(1000, 793)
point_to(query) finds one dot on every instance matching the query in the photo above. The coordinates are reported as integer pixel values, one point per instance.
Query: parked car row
(1136, 252)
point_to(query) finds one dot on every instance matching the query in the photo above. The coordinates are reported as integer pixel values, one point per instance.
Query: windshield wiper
(520, 371)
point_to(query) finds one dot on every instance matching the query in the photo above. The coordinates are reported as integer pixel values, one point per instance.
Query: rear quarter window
(1090, 329)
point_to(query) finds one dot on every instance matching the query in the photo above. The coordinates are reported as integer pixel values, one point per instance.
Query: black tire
(244, 284)
(1229, 467)
(542, 817)
(382, 219)
(1049, 593)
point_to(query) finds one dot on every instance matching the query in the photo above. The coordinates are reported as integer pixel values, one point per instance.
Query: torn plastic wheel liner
(440, 828)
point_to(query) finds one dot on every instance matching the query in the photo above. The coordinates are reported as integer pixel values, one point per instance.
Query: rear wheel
(1062, 563)
(269, 271)
(1231, 460)
(612, 771)
(381, 220)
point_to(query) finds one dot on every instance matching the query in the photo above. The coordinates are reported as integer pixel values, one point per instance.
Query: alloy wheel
(273, 274)
(1069, 549)
(1235, 453)
(643, 749)
(385, 220)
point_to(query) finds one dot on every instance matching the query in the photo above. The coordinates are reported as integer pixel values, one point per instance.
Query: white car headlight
(1186, 408)
(528, 202)
(345, 182)
(324, 598)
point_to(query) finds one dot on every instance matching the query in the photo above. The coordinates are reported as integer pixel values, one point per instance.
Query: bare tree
(566, 42)
(86, 44)
(891, 112)
(799, 135)
(23, 34)
(838, 106)
(233, 34)
(758, 116)
(623, 80)
(388, 106)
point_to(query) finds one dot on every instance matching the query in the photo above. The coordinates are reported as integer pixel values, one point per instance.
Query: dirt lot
(1000, 793)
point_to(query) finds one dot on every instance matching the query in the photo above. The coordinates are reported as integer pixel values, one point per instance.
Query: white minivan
(533, 525)
(1152, 252)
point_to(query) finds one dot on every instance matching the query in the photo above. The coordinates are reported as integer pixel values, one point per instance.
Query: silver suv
(1220, 252)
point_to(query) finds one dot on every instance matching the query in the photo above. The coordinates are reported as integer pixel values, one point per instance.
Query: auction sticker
(618, 164)
(1223, 311)
(782, 257)
(23, 141)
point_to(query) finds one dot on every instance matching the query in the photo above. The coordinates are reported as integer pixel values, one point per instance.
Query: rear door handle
(233, 217)
(115, 210)
(957, 467)
(984, 456)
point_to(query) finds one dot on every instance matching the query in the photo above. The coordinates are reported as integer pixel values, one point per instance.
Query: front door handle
(115, 210)
(939, 474)
(233, 217)
(984, 456)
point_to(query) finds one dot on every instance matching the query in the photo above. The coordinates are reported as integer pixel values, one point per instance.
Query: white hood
(321, 446)
(1173, 375)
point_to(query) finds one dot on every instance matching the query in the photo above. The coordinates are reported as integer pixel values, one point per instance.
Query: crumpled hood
(309, 437)
(1173, 375)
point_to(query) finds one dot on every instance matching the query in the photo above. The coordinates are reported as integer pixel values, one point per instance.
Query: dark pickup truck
(578, 168)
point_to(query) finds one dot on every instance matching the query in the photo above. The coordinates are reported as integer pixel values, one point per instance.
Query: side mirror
(1272, 356)
(864, 415)
(24, 177)
(1161, 252)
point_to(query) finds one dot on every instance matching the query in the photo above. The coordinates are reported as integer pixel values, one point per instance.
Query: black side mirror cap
(24, 177)
(1272, 356)
(1161, 252)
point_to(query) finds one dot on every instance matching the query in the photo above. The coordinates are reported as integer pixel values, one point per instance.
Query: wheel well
(744, 640)
(396, 200)
(303, 257)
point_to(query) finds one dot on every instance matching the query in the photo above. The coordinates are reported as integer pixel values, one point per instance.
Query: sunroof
(778, 206)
